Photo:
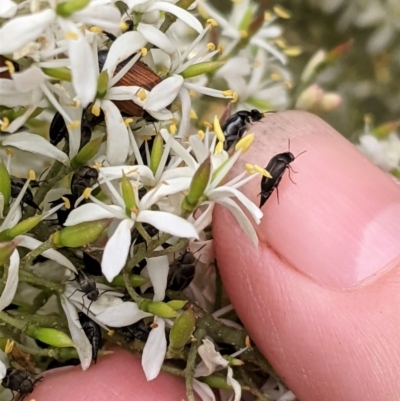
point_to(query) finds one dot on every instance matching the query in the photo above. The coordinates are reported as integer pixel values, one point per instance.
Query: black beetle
(83, 178)
(276, 167)
(235, 126)
(19, 381)
(16, 187)
(182, 271)
(93, 333)
(139, 330)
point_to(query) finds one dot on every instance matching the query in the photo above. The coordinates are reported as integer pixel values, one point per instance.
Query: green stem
(143, 233)
(5, 317)
(133, 294)
(191, 363)
(251, 386)
(182, 243)
(172, 370)
(31, 278)
(29, 257)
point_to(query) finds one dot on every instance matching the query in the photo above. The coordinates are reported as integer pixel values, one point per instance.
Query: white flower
(117, 248)
(212, 361)
(148, 7)
(22, 30)
(8, 8)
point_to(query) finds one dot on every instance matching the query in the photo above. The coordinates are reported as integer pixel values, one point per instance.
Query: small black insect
(93, 333)
(88, 286)
(19, 381)
(182, 271)
(276, 167)
(139, 330)
(16, 187)
(83, 178)
(235, 126)
(63, 213)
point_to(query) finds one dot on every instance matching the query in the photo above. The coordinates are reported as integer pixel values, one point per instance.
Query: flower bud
(61, 73)
(160, 309)
(80, 234)
(102, 84)
(87, 153)
(313, 65)
(50, 336)
(135, 280)
(6, 249)
(128, 195)
(197, 187)
(5, 184)
(157, 151)
(20, 228)
(180, 333)
(177, 304)
(201, 68)
(67, 8)
(330, 102)
(310, 98)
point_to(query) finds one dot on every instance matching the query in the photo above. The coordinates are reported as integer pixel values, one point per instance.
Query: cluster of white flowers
(118, 85)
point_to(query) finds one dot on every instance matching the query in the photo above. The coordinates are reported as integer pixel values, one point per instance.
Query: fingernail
(338, 223)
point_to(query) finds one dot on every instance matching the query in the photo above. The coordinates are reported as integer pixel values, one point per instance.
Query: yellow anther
(31, 175)
(275, 76)
(67, 203)
(249, 168)
(143, 50)
(243, 33)
(289, 84)
(220, 49)
(293, 51)
(9, 152)
(134, 210)
(96, 110)
(71, 36)
(86, 193)
(368, 119)
(192, 93)
(111, 333)
(128, 121)
(146, 137)
(211, 46)
(172, 129)
(244, 144)
(75, 124)
(235, 97)
(280, 42)
(123, 26)
(267, 16)
(97, 166)
(212, 22)
(96, 29)
(207, 124)
(142, 95)
(9, 346)
(218, 130)
(262, 171)
(5, 122)
(201, 134)
(227, 93)
(10, 66)
(193, 114)
(247, 342)
(219, 148)
(281, 12)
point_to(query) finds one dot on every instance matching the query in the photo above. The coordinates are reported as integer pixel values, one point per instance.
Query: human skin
(319, 296)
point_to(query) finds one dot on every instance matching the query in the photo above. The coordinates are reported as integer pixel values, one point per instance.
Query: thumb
(320, 295)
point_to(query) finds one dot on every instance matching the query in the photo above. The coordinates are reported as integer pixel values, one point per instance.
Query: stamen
(10, 66)
(71, 36)
(75, 124)
(5, 122)
(218, 130)
(193, 114)
(172, 129)
(86, 193)
(212, 22)
(282, 12)
(67, 203)
(31, 175)
(96, 110)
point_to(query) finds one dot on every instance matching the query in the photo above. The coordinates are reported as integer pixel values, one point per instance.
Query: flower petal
(168, 223)
(84, 70)
(32, 243)
(164, 93)
(17, 32)
(90, 212)
(179, 12)
(158, 269)
(157, 38)
(8, 8)
(116, 250)
(117, 134)
(122, 315)
(154, 350)
(203, 390)
(138, 172)
(83, 346)
(12, 281)
(35, 144)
